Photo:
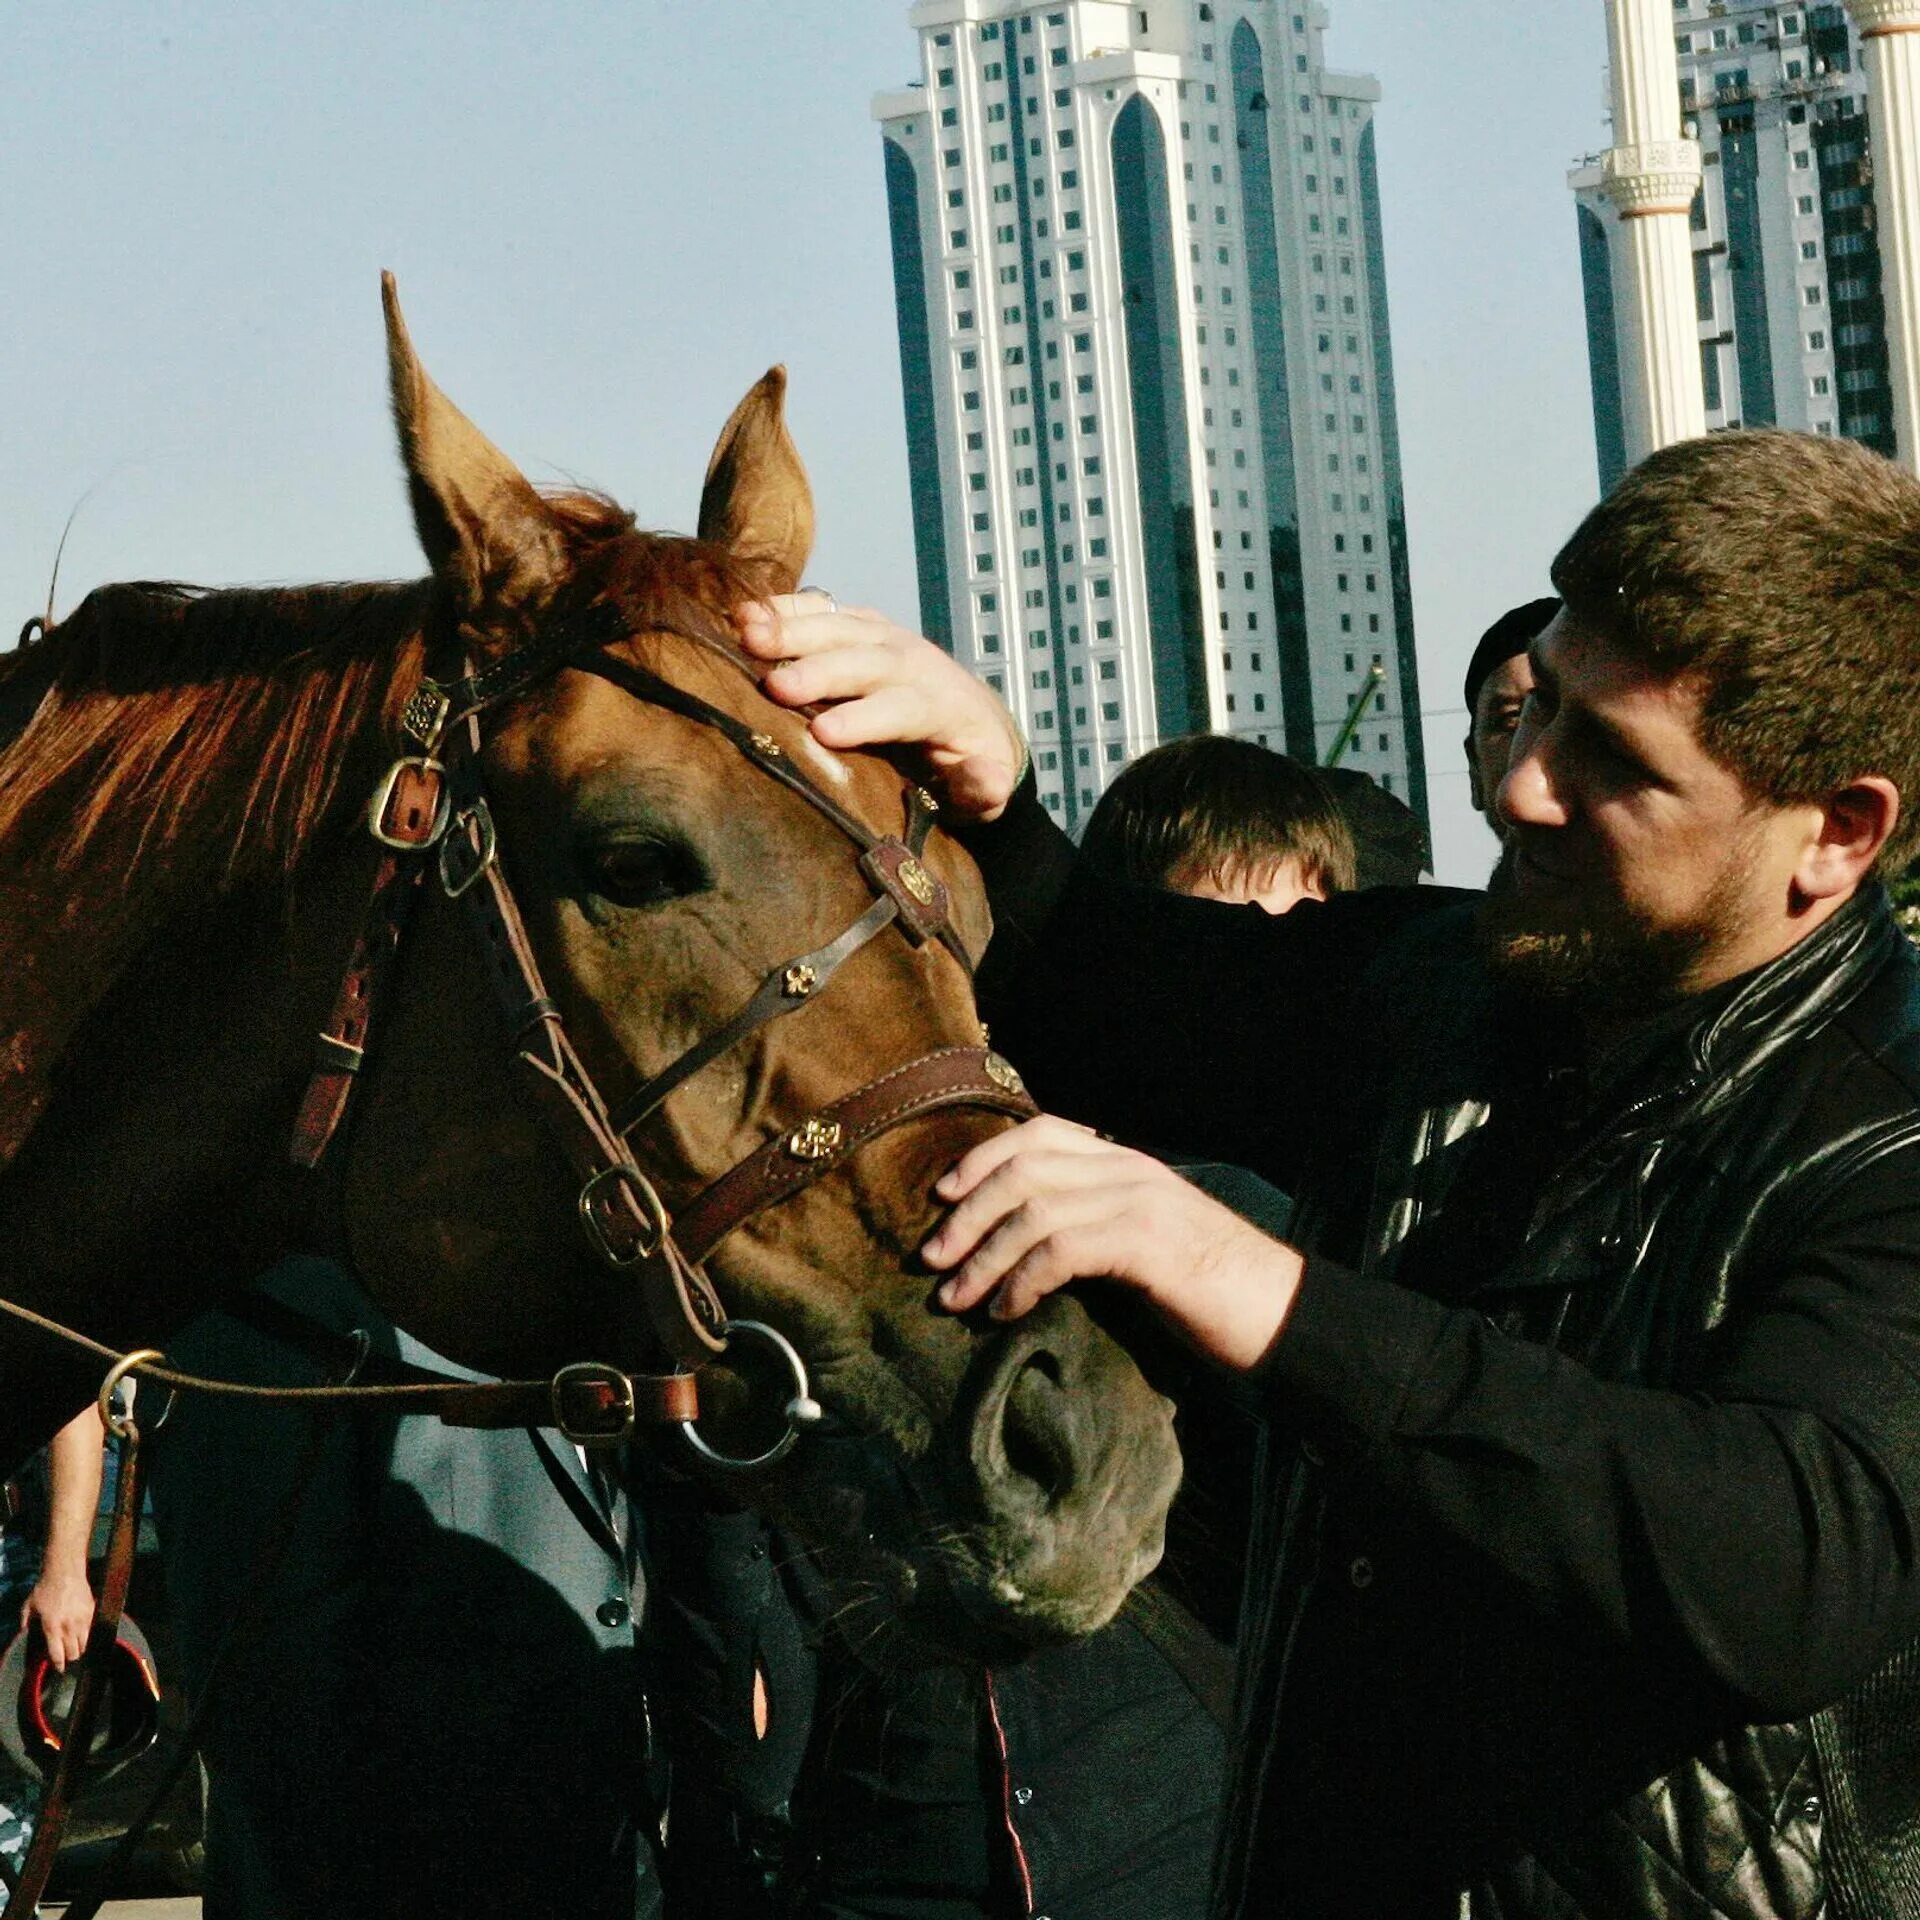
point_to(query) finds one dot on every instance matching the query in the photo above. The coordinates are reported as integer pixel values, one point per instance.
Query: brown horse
(183, 863)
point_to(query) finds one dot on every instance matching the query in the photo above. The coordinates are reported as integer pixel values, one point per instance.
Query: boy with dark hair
(1224, 820)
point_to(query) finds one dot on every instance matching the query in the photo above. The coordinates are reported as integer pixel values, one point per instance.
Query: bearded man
(1590, 1577)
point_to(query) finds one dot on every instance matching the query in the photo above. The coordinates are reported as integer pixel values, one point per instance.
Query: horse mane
(178, 718)
(184, 731)
(166, 745)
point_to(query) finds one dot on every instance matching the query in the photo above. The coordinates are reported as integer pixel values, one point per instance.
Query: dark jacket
(899, 1791)
(1591, 1587)
(436, 1706)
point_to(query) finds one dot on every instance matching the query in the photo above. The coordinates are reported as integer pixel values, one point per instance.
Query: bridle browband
(430, 812)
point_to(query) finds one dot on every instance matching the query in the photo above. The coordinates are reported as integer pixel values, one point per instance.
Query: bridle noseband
(430, 811)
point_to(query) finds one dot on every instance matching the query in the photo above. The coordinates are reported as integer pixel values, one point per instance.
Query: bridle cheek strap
(408, 814)
(620, 1211)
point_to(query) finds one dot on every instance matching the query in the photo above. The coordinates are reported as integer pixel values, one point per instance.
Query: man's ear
(1855, 823)
(1475, 798)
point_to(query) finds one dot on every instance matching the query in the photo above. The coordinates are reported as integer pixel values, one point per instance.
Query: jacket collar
(1741, 1027)
(1804, 988)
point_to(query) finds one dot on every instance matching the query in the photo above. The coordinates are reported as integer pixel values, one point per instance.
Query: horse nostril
(1033, 1431)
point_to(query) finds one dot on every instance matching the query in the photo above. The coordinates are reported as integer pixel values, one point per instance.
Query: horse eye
(644, 873)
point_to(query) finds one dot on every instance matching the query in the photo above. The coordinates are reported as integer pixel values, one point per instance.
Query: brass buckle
(622, 1412)
(464, 861)
(383, 800)
(637, 1184)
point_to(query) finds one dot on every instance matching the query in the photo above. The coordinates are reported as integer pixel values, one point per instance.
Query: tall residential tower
(1149, 384)
(1789, 295)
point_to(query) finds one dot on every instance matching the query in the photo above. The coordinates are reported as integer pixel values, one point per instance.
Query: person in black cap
(1499, 678)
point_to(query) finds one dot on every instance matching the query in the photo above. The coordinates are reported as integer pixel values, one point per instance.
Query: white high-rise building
(1149, 384)
(1787, 275)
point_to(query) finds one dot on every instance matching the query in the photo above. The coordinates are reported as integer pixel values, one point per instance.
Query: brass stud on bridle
(917, 881)
(1002, 1072)
(816, 1140)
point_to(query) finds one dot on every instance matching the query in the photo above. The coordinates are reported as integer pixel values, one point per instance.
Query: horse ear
(486, 532)
(757, 501)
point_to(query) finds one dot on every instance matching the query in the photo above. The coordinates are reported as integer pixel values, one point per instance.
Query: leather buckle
(652, 1225)
(411, 806)
(593, 1405)
(468, 851)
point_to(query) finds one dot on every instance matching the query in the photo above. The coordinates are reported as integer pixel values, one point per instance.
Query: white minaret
(1651, 175)
(1890, 33)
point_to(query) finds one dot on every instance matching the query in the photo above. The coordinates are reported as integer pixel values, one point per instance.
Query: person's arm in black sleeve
(1760, 1530)
(1027, 863)
(1177, 1022)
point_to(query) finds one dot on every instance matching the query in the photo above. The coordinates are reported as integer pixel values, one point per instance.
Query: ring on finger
(833, 605)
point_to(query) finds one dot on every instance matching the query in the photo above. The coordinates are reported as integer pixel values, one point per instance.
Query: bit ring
(801, 1411)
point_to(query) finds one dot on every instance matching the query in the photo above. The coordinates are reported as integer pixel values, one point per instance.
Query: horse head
(677, 862)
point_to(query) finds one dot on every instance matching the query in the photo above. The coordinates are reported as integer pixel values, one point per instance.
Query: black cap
(1512, 633)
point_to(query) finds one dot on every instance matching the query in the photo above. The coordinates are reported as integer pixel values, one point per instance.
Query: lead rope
(77, 1741)
(590, 1403)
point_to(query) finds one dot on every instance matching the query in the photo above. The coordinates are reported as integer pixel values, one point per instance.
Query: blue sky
(608, 217)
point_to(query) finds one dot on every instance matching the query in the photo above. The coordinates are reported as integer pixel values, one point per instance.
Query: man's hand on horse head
(882, 686)
(1048, 1202)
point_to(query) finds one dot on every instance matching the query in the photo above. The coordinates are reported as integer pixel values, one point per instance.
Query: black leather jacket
(1498, 1679)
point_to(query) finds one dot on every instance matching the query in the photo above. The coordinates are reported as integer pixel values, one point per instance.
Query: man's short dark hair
(1784, 571)
(1221, 807)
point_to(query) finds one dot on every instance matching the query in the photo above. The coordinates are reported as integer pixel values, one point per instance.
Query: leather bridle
(430, 812)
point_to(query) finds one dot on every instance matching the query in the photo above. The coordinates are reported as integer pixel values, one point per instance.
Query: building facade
(1786, 259)
(1149, 383)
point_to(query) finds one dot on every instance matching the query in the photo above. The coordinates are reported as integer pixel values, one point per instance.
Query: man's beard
(1601, 957)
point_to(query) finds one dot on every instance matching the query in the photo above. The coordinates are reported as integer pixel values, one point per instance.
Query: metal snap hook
(801, 1411)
